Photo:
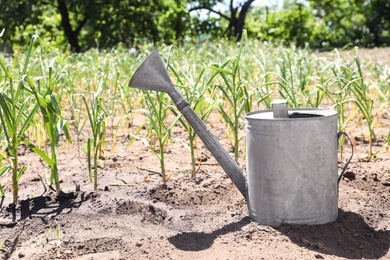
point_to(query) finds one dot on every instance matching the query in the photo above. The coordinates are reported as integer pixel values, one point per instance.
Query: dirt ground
(134, 215)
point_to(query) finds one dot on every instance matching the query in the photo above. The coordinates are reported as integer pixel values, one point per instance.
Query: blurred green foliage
(80, 25)
(324, 23)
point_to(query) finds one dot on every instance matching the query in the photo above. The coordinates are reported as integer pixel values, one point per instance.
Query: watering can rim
(318, 114)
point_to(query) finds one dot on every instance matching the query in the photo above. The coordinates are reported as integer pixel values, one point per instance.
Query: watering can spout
(152, 75)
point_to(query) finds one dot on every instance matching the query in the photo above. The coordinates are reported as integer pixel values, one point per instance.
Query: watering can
(292, 173)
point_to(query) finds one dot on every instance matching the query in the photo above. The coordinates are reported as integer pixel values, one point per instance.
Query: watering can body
(291, 160)
(292, 167)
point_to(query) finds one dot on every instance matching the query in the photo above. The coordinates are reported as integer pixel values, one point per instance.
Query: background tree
(174, 21)
(106, 22)
(85, 24)
(342, 22)
(377, 13)
(21, 19)
(80, 25)
(84, 12)
(291, 25)
(235, 18)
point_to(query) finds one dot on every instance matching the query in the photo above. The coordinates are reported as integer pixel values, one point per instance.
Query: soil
(134, 215)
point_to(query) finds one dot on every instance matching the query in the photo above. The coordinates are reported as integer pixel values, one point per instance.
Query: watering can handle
(339, 134)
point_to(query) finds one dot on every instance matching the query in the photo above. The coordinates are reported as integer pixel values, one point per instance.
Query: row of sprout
(48, 98)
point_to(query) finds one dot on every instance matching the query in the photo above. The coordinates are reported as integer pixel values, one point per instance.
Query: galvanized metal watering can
(292, 173)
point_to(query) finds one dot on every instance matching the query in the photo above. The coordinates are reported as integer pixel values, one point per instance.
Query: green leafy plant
(262, 77)
(54, 124)
(3, 171)
(365, 103)
(358, 92)
(157, 114)
(202, 105)
(45, 236)
(95, 144)
(15, 119)
(76, 120)
(340, 102)
(237, 99)
(388, 142)
(58, 240)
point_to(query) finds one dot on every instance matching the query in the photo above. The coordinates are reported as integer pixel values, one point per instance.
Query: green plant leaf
(89, 151)
(21, 172)
(39, 152)
(3, 171)
(5, 69)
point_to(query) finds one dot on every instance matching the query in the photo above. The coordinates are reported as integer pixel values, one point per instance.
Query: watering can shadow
(199, 241)
(268, 198)
(349, 237)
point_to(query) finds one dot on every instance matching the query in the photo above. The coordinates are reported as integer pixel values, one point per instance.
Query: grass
(45, 93)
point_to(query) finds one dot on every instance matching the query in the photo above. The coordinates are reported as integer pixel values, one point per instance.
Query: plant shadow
(46, 205)
(348, 237)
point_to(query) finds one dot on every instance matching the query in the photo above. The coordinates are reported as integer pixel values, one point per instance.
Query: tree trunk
(236, 24)
(70, 34)
(178, 28)
(239, 23)
(233, 19)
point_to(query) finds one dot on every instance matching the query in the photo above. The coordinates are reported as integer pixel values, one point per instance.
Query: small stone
(350, 175)
(385, 180)
(318, 256)
(202, 158)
